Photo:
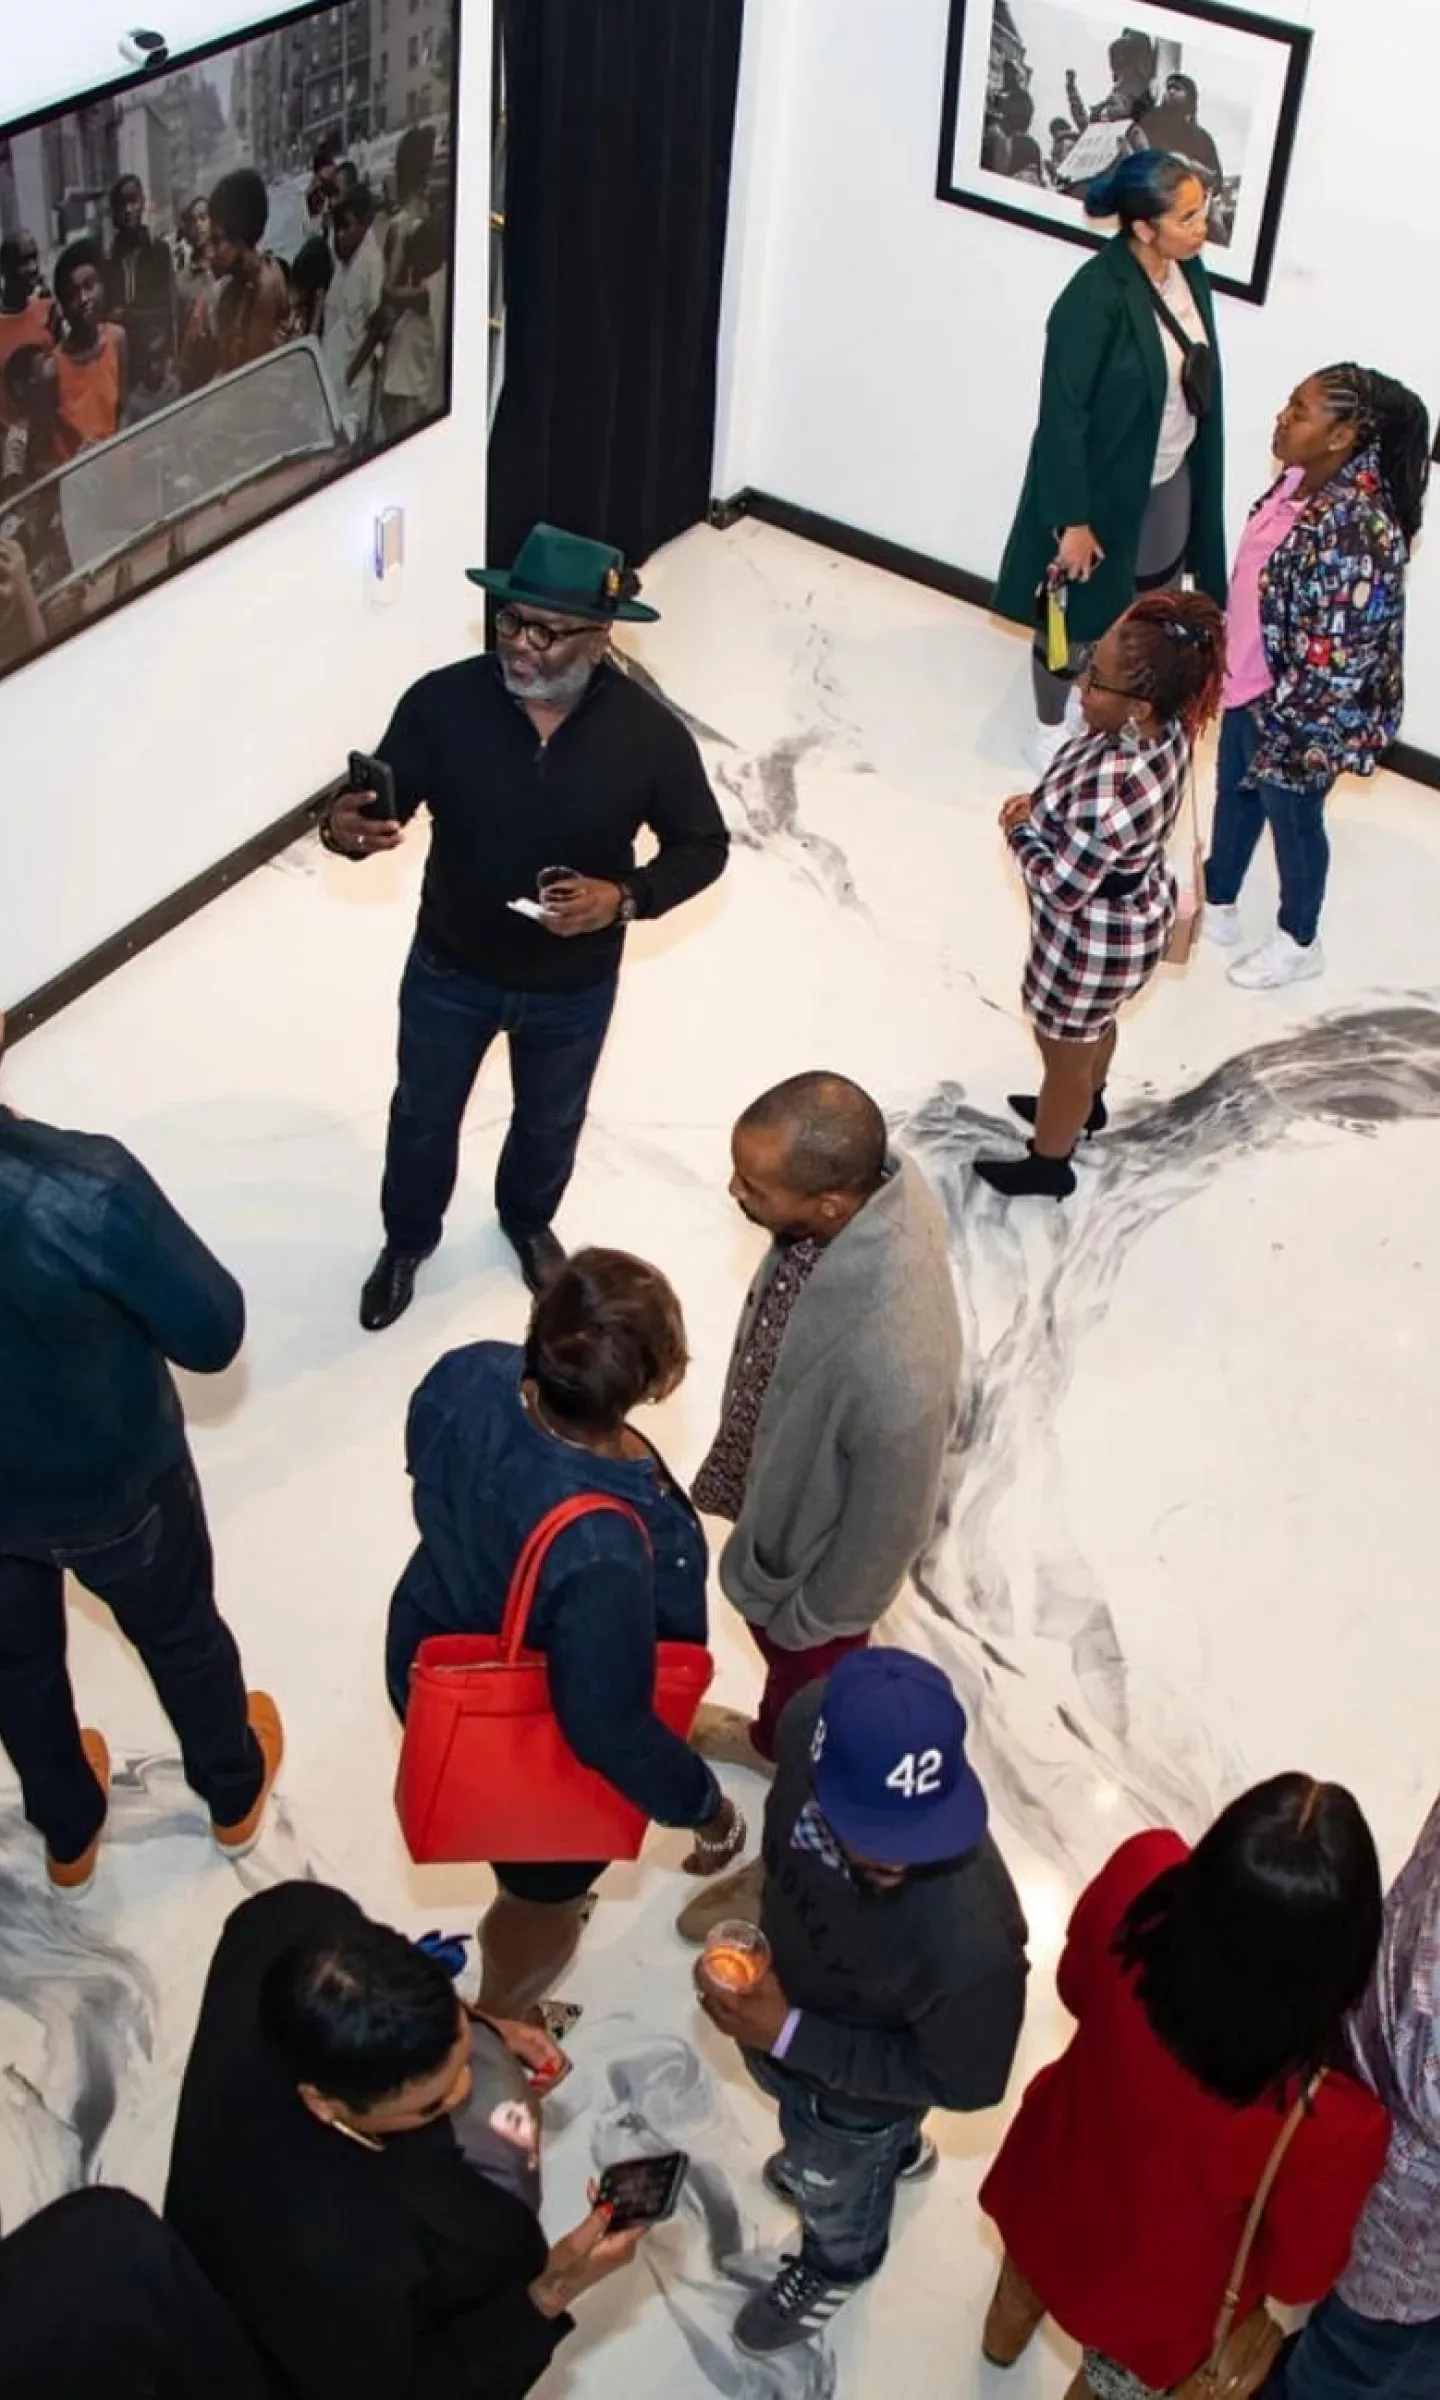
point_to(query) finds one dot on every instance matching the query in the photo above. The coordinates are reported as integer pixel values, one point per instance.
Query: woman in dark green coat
(1124, 487)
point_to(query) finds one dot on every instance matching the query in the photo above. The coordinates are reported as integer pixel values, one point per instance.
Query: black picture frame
(344, 458)
(977, 36)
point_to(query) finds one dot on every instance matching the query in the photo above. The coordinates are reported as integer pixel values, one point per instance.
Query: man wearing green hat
(539, 762)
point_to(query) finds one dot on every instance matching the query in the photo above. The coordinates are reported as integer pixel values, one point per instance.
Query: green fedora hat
(565, 572)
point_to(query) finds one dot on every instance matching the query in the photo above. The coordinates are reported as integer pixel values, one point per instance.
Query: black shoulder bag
(1197, 359)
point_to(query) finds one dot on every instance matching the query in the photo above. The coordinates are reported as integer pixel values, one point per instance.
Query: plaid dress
(1102, 898)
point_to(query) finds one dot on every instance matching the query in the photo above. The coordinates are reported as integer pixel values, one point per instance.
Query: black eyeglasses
(512, 627)
(1118, 691)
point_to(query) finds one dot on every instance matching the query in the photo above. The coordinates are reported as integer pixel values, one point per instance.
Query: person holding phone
(539, 754)
(320, 2177)
(1124, 487)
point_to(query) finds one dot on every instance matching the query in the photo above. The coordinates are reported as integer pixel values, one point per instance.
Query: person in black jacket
(897, 1976)
(539, 764)
(147, 2327)
(317, 2176)
(102, 1284)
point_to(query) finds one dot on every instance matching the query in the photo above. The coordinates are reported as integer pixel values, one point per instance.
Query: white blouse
(1177, 426)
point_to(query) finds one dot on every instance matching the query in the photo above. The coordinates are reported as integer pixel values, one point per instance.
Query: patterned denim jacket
(1332, 612)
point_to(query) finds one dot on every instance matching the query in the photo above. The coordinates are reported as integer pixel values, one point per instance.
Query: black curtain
(620, 117)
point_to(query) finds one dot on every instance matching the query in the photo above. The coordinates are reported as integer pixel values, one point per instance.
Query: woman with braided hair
(1316, 640)
(1090, 843)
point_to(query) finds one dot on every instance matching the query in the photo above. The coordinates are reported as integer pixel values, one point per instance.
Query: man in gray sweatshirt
(897, 1974)
(840, 1400)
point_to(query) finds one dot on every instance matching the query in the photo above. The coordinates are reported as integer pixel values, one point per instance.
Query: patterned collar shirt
(719, 1488)
(1394, 2270)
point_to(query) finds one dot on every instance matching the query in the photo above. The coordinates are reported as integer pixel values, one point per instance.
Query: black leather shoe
(541, 1256)
(388, 1289)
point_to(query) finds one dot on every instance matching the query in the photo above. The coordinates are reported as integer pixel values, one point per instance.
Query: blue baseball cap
(888, 1763)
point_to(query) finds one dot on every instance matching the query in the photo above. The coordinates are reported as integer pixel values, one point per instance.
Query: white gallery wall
(139, 753)
(881, 350)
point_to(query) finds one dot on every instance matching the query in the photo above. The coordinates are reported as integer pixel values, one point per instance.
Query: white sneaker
(1220, 922)
(1281, 961)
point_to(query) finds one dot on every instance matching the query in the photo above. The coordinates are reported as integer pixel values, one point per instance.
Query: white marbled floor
(1185, 1542)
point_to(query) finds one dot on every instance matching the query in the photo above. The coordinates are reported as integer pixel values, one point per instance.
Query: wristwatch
(629, 908)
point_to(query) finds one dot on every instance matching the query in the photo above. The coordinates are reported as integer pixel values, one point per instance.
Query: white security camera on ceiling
(141, 47)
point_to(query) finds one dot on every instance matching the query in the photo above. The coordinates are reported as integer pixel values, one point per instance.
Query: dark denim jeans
(1297, 828)
(1344, 2356)
(448, 1019)
(157, 1579)
(843, 2166)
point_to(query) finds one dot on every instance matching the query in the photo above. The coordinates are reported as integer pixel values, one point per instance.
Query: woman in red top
(1208, 1988)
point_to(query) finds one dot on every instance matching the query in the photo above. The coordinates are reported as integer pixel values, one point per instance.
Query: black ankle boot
(1025, 1104)
(1020, 1178)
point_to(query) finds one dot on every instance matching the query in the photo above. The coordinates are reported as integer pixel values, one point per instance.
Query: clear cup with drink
(736, 1956)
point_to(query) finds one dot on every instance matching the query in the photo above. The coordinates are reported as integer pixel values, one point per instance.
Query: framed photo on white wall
(1042, 96)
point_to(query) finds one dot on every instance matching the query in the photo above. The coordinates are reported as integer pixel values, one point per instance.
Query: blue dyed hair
(1139, 187)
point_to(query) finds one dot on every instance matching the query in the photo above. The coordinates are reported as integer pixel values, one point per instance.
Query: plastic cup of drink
(736, 1955)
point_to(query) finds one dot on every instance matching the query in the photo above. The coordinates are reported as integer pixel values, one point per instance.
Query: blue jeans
(448, 1019)
(843, 2166)
(1343, 2356)
(157, 1579)
(1297, 827)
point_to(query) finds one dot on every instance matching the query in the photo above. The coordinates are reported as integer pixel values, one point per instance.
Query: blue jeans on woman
(1243, 808)
(843, 2167)
(1344, 2356)
(448, 1020)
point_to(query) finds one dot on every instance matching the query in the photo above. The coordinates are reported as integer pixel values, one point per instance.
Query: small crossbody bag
(1246, 2348)
(1197, 359)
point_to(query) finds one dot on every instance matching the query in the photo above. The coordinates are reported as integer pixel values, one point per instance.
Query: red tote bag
(485, 1771)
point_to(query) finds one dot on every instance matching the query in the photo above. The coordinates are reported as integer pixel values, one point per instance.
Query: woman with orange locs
(1090, 842)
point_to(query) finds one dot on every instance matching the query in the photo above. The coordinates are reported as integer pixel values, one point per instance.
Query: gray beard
(560, 690)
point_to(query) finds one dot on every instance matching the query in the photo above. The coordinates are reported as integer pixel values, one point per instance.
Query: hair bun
(1100, 195)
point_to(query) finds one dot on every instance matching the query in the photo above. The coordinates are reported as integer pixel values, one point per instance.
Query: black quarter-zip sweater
(504, 804)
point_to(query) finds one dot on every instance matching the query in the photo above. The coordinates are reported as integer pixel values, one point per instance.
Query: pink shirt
(1246, 673)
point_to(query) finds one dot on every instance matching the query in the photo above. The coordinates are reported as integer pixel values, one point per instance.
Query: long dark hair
(1395, 419)
(1248, 1956)
(1173, 645)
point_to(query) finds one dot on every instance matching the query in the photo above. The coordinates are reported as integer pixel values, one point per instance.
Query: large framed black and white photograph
(1042, 96)
(221, 286)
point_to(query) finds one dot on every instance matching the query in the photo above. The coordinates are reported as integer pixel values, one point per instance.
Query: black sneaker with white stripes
(797, 2306)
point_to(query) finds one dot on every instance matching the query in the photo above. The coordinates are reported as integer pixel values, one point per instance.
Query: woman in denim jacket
(1316, 637)
(497, 1436)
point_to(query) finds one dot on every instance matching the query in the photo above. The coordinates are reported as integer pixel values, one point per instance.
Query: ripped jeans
(843, 2167)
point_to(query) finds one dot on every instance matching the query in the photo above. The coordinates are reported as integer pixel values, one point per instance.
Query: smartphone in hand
(642, 2191)
(366, 774)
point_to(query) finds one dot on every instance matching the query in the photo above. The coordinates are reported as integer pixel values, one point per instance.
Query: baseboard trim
(871, 548)
(938, 575)
(39, 1006)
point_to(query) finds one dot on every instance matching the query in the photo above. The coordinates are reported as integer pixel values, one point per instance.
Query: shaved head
(808, 1154)
(834, 1134)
